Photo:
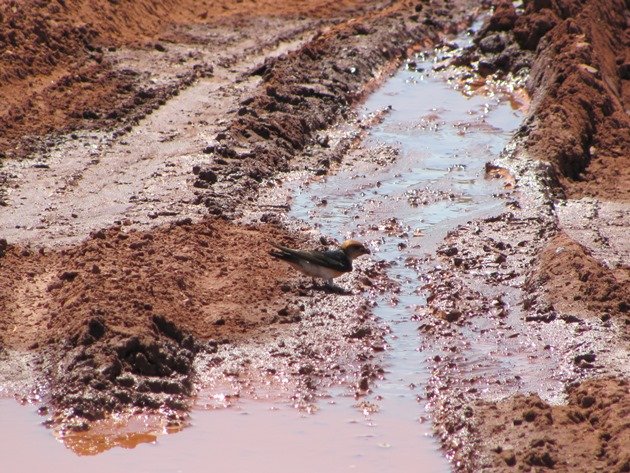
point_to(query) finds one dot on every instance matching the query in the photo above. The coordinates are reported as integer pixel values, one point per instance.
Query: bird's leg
(331, 287)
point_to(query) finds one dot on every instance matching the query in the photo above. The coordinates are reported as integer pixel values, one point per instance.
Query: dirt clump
(576, 283)
(495, 50)
(117, 320)
(589, 433)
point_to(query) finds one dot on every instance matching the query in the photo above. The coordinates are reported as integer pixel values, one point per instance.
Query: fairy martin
(322, 264)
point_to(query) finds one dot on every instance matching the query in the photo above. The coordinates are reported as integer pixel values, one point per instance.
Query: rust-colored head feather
(354, 248)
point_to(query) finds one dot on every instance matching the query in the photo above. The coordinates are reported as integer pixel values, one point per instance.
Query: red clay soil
(589, 433)
(576, 283)
(580, 90)
(116, 320)
(125, 303)
(579, 54)
(52, 73)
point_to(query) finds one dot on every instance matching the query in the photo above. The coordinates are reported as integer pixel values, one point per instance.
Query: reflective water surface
(402, 208)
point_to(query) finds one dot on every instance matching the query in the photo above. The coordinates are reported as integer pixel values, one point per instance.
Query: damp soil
(149, 156)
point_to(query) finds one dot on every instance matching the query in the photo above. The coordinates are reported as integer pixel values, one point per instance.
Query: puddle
(403, 208)
(252, 435)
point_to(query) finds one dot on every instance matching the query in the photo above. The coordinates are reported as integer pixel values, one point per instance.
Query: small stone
(509, 458)
(364, 384)
(493, 43)
(68, 275)
(587, 401)
(453, 315)
(530, 416)
(450, 251)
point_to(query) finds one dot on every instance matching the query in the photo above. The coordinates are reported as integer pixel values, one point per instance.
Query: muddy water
(403, 207)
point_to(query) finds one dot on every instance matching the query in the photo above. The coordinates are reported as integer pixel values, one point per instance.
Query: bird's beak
(367, 251)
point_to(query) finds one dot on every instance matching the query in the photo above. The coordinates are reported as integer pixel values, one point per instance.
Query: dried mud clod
(495, 50)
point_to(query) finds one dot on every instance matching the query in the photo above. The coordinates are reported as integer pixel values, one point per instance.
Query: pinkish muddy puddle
(252, 436)
(403, 209)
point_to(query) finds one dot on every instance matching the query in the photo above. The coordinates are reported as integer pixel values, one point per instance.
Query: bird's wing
(333, 259)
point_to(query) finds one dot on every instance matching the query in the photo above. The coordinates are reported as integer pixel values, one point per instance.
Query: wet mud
(89, 337)
(539, 293)
(578, 84)
(148, 157)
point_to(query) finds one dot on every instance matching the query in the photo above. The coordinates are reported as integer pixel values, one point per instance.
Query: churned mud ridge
(117, 320)
(57, 75)
(134, 321)
(579, 87)
(588, 433)
(584, 94)
(310, 89)
(528, 310)
(575, 282)
(521, 315)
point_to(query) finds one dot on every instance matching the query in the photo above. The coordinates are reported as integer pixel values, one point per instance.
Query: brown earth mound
(579, 85)
(118, 318)
(576, 283)
(577, 90)
(590, 433)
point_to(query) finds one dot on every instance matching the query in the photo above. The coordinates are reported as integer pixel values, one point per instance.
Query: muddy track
(532, 306)
(301, 94)
(118, 293)
(57, 75)
(152, 158)
(102, 351)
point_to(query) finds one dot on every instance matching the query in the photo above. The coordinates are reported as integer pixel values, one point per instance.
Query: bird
(322, 264)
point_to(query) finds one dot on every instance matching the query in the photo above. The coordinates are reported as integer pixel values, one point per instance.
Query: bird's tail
(281, 252)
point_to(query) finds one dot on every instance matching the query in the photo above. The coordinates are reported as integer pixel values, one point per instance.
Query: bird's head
(354, 249)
